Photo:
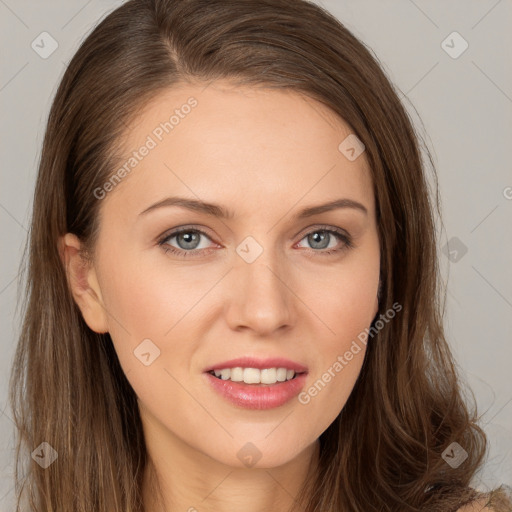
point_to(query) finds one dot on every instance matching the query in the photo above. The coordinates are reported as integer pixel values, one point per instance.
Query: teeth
(281, 374)
(237, 374)
(254, 375)
(268, 376)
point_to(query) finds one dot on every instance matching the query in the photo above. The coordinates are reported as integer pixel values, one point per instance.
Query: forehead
(223, 142)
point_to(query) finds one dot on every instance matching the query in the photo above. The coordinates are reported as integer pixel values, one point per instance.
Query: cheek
(342, 298)
(327, 392)
(141, 306)
(155, 319)
(148, 329)
(344, 301)
(146, 301)
(335, 372)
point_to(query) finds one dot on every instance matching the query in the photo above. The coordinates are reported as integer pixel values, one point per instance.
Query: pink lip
(261, 364)
(258, 396)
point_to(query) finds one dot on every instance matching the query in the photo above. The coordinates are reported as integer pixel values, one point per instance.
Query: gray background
(463, 106)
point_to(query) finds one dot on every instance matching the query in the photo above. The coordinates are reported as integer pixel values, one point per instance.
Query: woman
(187, 345)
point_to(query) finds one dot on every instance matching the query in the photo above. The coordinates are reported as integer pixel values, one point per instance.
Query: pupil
(190, 239)
(322, 235)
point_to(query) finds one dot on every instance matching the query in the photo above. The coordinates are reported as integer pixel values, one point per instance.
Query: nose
(262, 298)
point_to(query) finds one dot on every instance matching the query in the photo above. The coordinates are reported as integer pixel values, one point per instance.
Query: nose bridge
(262, 300)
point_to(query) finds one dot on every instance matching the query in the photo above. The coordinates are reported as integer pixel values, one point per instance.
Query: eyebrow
(219, 211)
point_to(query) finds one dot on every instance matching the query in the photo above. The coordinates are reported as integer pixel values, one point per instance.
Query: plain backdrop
(460, 101)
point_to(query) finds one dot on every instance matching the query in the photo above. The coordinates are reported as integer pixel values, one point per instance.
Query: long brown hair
(384, 450)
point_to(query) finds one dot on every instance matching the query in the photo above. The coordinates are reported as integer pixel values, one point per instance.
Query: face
(264, 281)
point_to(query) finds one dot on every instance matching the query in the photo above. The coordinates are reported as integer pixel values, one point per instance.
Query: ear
(83, 283)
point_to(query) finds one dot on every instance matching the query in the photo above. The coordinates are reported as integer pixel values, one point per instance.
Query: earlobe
(83, 283)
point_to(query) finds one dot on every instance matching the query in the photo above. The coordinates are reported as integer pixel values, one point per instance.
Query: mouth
(256, 395)
(253, 367)
(255, 376)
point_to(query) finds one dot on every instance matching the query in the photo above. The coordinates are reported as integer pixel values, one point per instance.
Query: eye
(189, 241)
(321, 239)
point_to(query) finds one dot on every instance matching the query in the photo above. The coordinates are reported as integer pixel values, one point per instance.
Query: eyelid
(343, 235)
(322, 227)
(203, 230)
(180, 229)
(185, 229)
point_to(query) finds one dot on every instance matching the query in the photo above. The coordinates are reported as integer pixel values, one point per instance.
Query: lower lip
(255, 396)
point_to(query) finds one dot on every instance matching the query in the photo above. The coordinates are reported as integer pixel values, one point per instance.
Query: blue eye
(189, 241)
(320, 236)
(187, 238)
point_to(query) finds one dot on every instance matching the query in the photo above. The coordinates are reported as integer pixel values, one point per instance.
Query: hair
(67, 387)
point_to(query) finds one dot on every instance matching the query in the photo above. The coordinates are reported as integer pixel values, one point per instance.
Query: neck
(193, 482)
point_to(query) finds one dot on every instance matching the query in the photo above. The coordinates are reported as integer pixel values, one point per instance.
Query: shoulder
(477, 506)
(496, 500)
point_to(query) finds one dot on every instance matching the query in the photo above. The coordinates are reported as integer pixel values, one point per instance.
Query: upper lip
(252, 362)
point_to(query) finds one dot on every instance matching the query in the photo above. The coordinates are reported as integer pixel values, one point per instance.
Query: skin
(265, 154)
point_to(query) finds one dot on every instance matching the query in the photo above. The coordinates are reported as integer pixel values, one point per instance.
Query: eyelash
(346, 239)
